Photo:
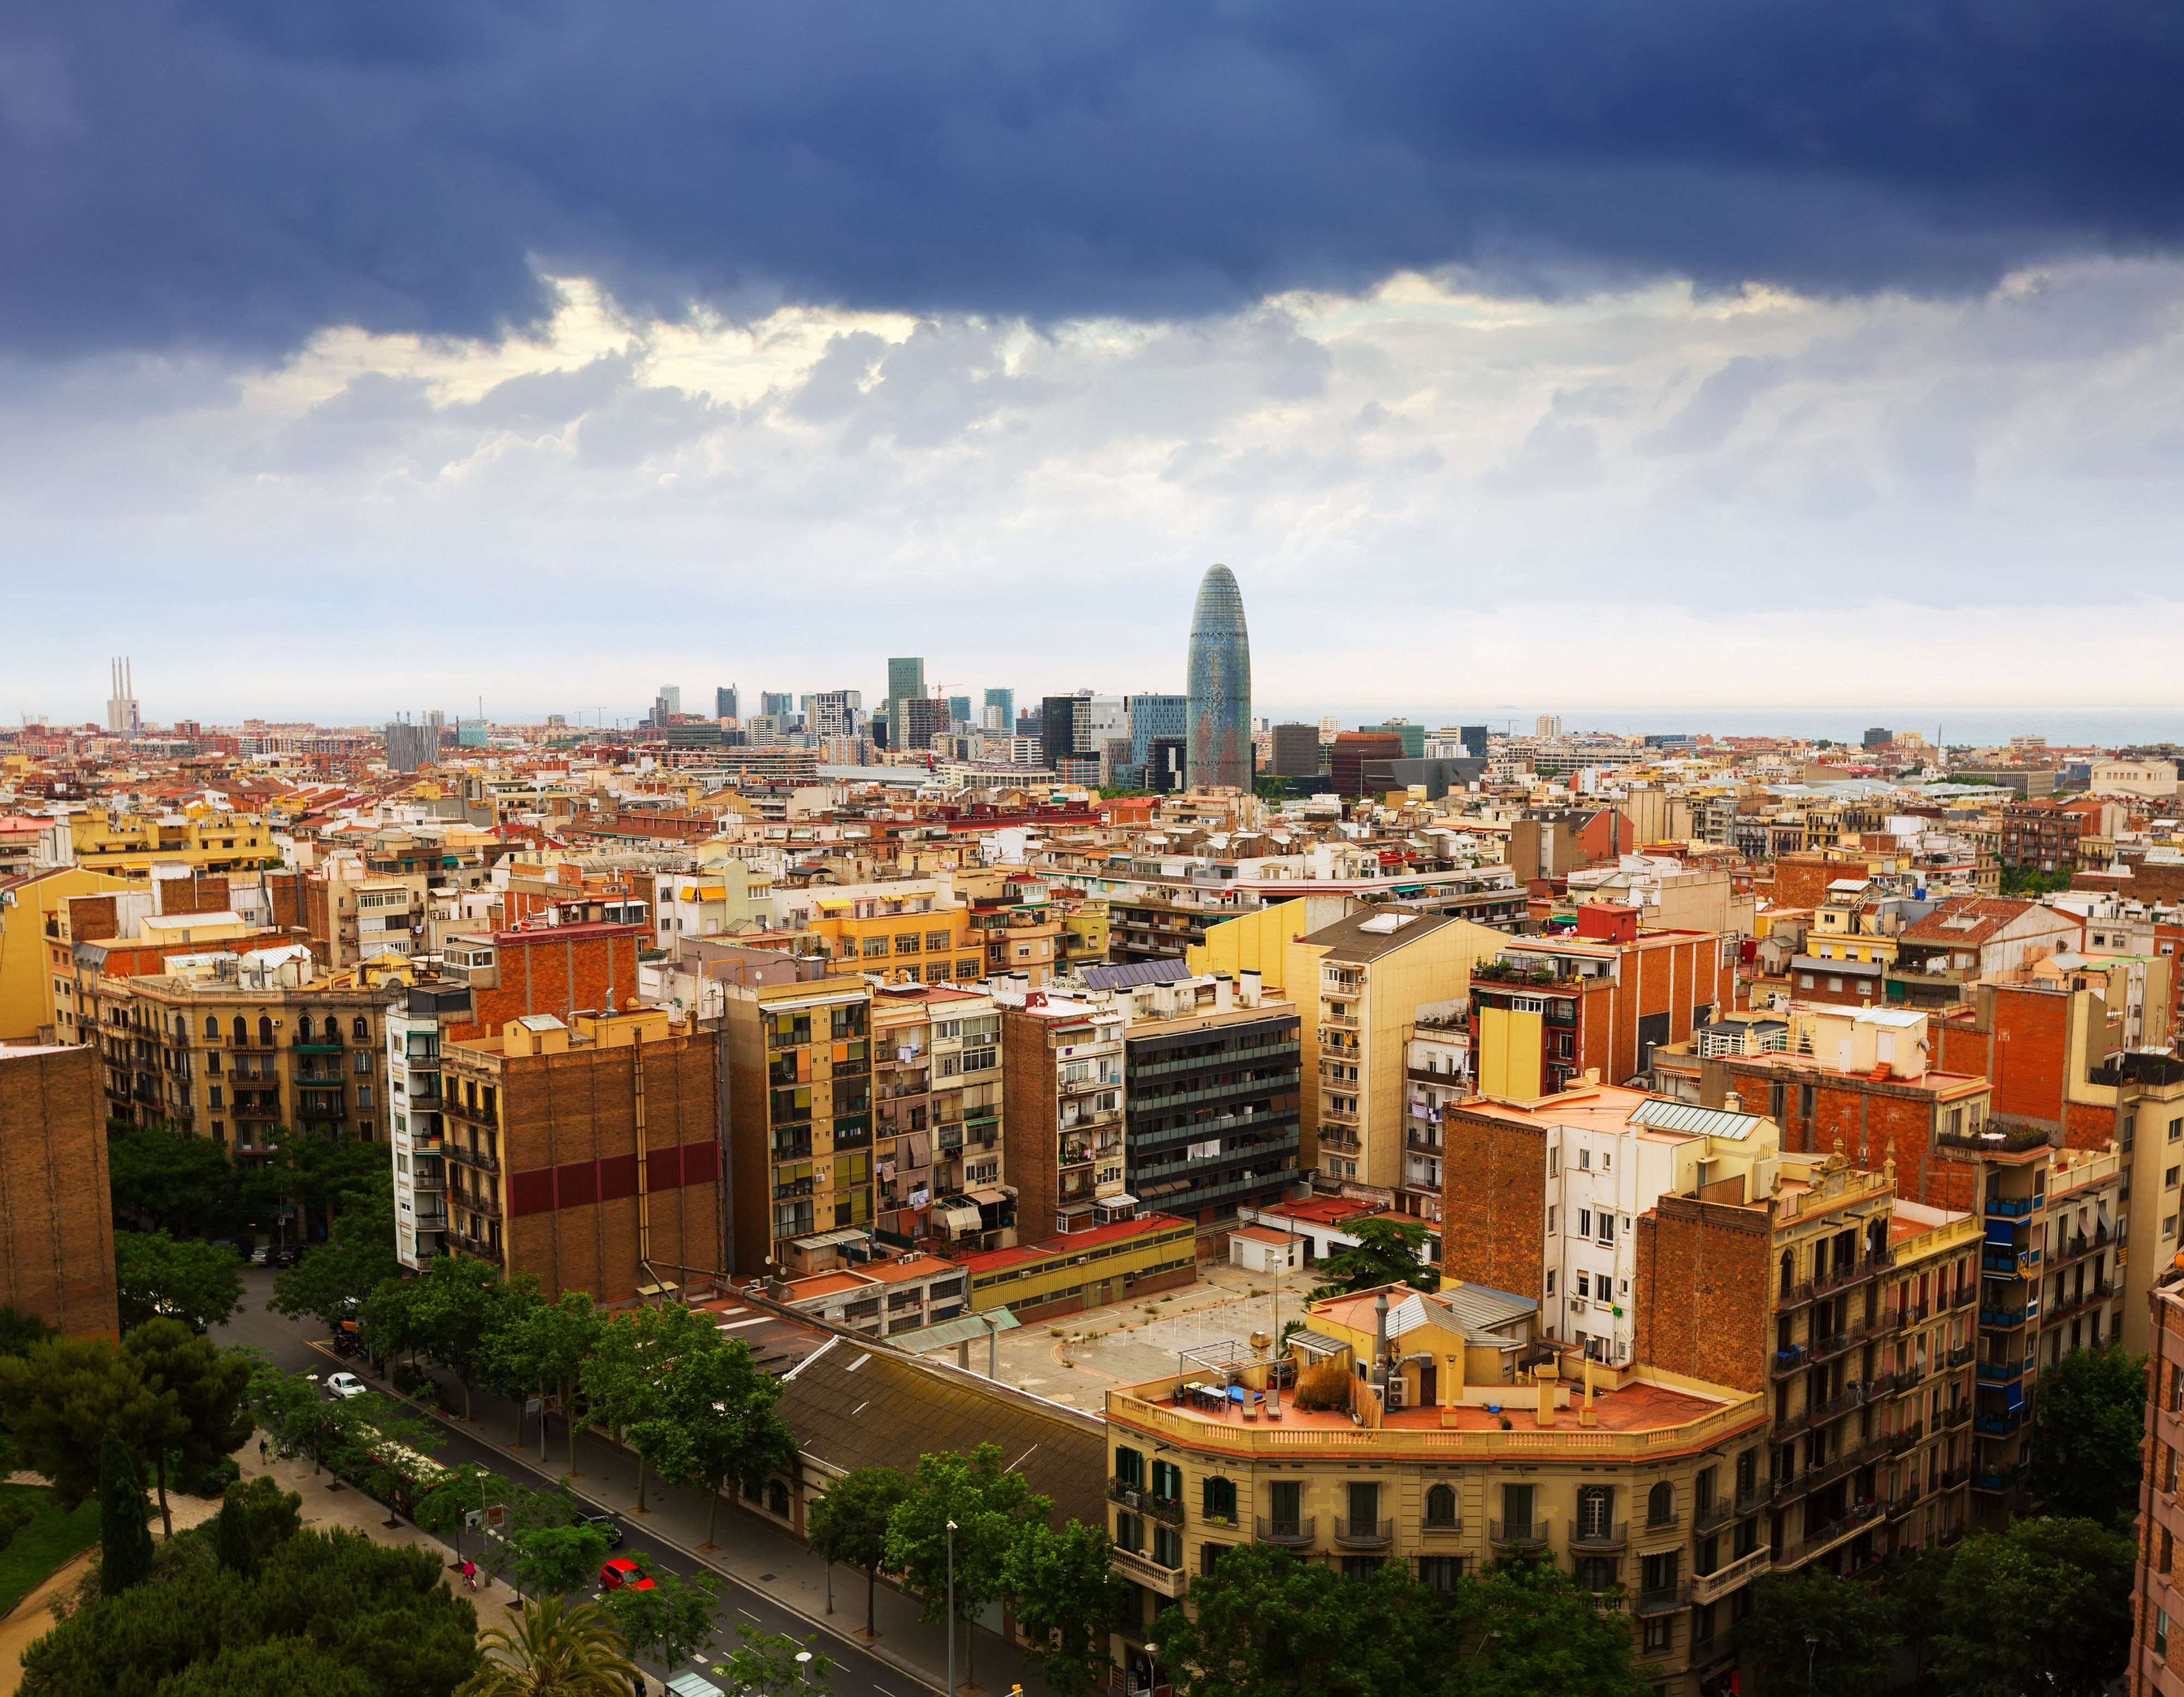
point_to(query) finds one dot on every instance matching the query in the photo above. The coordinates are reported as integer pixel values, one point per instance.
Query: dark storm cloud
(242, 174)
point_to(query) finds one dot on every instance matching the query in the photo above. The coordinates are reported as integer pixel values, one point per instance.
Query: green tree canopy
(2087, 1426)
(1819, 1636)
(625, 1376)
(201, 1390)
(1067, 1600)
(333, 1281)
(58, 1402)
(850, 1524)
(535, 1345)
(671, 1619)
(716, 1421)
(991, 1506)
(766, 1665)
(1388, 1252)
(21, 1333)
(2043, 1606)
(451, 1314)
(382, 1613)
(160, 1178)
(196, 1284)
(559, 1560)
(124, 1542)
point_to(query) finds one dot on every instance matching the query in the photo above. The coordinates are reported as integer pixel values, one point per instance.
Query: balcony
(1950, 1418)
(1999, 1425)
(1364, 1534)
(1901, 1503)
(1661, 1599)
(1707, 1587)
(1138, 1500)
(2001, 1372)
(2000, 1481)
(1845, 1274)
(1756, 1495)
(1338, 1021)
(2009, 1207)
(2006, 1264)
(423, 1181)
(1600, 1538)
(1298, 1533)
(469, 1157)
(1517, 1534)
(1789, 1361)
(1168, 1582)
(1708, 1517)
(478, 1202)
(2001, 1319)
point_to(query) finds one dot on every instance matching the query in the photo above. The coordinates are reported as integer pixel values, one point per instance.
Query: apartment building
(585, 1153)
(2041, 835)
(714, 899)
(1378, 973)
(1063, 1134)
(1014, 917)
(417, 1025)
(129, 843)
(58, 1263)
(800, 1106)
(2157, 1597)
(1968, 938)
(1548, 1009)
(937, 1090)
(1437, 1063)
(36, 998)
(908, 931)
(551, 970)
(1624, 1477)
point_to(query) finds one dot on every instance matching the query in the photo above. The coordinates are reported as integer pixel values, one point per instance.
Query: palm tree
(559, 1650)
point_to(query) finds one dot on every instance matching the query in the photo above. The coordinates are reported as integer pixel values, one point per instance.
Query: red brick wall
(1494, 1177)
(199, 893)
(57, 1253)
(553, 972)
(1874, 1120)
(573, 1117)
(1703, 1292)
(1029, 1124)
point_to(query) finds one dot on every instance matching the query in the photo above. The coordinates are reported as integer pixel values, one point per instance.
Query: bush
(1323, 1385)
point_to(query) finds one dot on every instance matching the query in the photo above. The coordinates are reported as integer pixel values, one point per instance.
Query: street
(297, 1346)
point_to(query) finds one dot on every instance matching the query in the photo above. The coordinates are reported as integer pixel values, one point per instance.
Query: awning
(958, 1217)
(949, 1333)
(989, 1198)
(1122, 1199)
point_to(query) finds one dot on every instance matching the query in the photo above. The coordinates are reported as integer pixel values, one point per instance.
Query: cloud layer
(1432, 497)
(246, 173)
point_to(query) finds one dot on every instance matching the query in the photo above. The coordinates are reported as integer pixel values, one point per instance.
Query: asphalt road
(295, 1347)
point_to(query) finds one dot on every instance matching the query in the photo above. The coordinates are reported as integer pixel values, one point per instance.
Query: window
(265, 1030)
(1217, 1498)
(1167, 1482)
(1606, 1239)
(1584, 1284)
(2175, 1130)
(212, 1097)
(2161, 1633)
(1660, 1634)
(1285, 1506)
(1596, 1510)
(363, 1064)
(1585, 1223)
(1210, 1555)
(1584, 1160)
(1360, 1566)
(1441, 1508)
(1440, 1573)
(1167, 1546)
(1661, 1504)
(2168, 1226)
(907, 943)
(1130, 1533)
(1129, 1466)
(875, 947)
(2169, 1179)
(936, 942)
(212, 1035)
(1596, 1572)
(1363, 1501)
(1517, 1510)
(1658, 1573)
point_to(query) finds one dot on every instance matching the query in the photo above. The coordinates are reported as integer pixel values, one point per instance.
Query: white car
(345, 1386)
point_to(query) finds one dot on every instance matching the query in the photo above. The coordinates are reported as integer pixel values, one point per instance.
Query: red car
(622, 1574)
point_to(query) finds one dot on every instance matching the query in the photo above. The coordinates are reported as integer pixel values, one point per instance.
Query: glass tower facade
(1217, 749)
(905, 679)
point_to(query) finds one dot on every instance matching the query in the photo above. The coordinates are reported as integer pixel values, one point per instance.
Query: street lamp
(1811, 1645)
(803, 1666)
(1153, 1666)
(952, 1609)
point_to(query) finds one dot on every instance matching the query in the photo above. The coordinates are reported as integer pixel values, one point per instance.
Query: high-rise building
(1005, 700)
(725, 703)
(1065, 728)
(1548, 726)
(905, 682)
(958, 710)
(778, 702)
(665, 705)
(1414, 736)
(833, 712)
(121, 717)
(411, 745)
(1219, 739)
(1297, 751)
(1154, 717)
(919, 720)
(1877, 737)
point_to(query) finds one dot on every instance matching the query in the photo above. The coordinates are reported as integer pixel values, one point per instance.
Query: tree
(124, 1542)
(557, 1649)
(1386, 1253)
(2043, 1606)
(332, 1283)
(383, 1619)
(559, 1559)
(161, 1178)
(670, 1619)
(535, 1344)
(1068, 1598)
(196, 1284)
(850, 1524)
(21, 1333)
(1817, 1634)
(1547, 1633)
(231, 1539)
(625, 1372)
(450, 1313)
(1264, 1624)
(200, 1388)
(60, 1400)
(991, 1508)
(2087, 1426)
(715, 1421)
(766, 1665)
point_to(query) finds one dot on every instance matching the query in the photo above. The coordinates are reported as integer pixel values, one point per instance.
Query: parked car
(286, 1258)
(261, 1254)
(622, 1574)
(606, 1523)
(343, 1386)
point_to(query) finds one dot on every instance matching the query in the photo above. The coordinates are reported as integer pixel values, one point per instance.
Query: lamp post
(1152, 1666)
(1811, 1645)
(952, 1609)
(803, 1668)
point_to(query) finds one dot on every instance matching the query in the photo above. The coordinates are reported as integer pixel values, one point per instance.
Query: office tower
(671, 696)
(470, 733)
(1005, 699)
(725, 703)
(1474, 737)
(121, 703)
(1153, 718)
(905, 682)
(1330, 729)
(411, 745)
(1877, 737)
(1219, 737)
(1109, 719)
(1414, 736)
(958, 710)
(921, 719)
(1065, 728)
(778, 702)
(832, 712)
(1297, 751)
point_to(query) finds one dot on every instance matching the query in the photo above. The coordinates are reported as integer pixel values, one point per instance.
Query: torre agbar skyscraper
(1218, 740)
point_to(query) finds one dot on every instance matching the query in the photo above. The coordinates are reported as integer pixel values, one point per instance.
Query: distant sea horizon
(1980, 727)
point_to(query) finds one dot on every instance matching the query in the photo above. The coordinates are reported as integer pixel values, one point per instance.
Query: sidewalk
(752, 1550)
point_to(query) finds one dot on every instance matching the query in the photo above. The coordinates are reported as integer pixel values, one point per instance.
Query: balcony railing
(479, 1202)
(1140, 1500)
(1705, 1519)
(1517, 1534)
(1661, 1599)
(2001, 1372)
(471, 1157)
(1297, 1532)
(1706, 1587)
(1612, 1536)
(1365, 1534)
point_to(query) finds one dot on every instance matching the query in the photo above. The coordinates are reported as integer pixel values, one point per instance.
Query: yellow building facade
(130, 844)
(27, 988)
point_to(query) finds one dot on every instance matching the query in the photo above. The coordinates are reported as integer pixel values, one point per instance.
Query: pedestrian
(262, 1459)
(469, 1573)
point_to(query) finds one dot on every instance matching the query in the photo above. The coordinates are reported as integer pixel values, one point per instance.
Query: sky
(1578, 355)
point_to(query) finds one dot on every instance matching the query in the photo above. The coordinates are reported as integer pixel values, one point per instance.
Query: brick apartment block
(57, 1253)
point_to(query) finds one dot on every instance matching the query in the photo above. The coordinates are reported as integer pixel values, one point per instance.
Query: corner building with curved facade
(1217, 746)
